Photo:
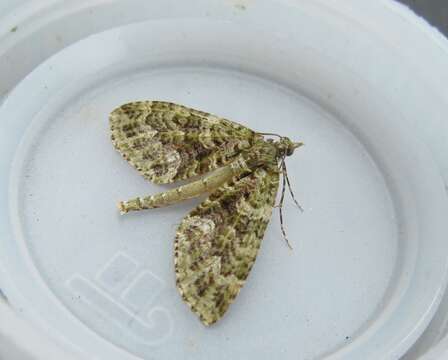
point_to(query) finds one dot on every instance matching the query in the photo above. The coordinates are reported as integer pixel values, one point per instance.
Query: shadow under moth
(217, 242)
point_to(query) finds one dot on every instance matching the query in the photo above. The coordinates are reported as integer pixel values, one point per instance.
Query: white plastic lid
(367, 74)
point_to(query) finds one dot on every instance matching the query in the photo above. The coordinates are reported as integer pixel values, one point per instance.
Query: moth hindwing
(217, 243)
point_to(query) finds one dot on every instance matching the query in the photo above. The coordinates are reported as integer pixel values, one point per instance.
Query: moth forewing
(217, 243)
(168, 142)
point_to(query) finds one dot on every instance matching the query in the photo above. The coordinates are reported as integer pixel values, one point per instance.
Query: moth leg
(184, 192)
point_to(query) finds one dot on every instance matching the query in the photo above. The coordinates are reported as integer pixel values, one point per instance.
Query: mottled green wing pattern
(168, 142)
(217, 243)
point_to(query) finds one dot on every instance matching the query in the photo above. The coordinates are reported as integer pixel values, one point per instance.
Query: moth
(217, 243)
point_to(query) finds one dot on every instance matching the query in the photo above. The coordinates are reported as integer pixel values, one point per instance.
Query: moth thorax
(263, 153)
(239, 166)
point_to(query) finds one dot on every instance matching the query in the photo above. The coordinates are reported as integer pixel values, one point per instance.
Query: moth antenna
(270, 134)
(285, 174)
(282, 198)
(280, 169)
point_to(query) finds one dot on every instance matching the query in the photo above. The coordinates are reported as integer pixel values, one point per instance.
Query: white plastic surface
(342, 90)
(19, 341)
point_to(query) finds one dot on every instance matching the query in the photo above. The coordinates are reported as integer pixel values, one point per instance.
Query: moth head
(286, 147)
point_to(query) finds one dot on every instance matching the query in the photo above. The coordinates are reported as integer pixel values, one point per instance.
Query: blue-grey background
(434, 11)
